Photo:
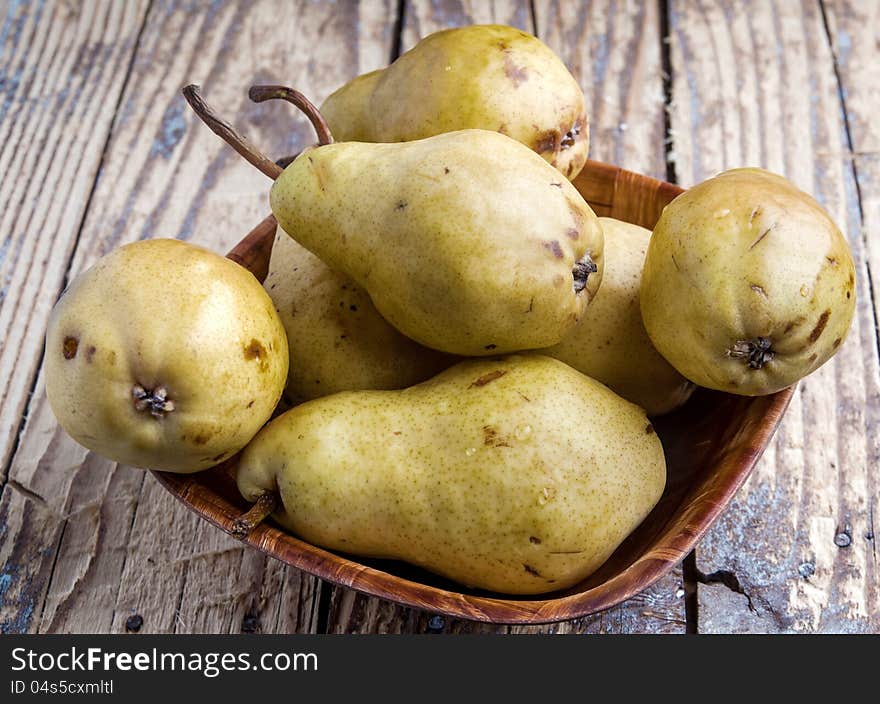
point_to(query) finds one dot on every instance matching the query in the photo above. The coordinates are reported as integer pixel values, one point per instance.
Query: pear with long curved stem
(467, 242)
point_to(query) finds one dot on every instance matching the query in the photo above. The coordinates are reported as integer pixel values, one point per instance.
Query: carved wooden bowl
(711, 445)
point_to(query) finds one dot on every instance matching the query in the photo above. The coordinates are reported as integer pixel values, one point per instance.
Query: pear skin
(337, 339)
(517, 475)
(490, 77)
(467, 242)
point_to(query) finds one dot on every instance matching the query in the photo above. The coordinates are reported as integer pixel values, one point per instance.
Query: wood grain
(64, 67)
(86, 543)
(758, 87)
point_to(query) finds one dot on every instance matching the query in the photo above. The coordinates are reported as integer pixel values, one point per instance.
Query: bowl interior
(711, 444)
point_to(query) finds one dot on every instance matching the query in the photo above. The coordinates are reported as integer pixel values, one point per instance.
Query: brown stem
(225, 131)
(260, 93)
(266, 503)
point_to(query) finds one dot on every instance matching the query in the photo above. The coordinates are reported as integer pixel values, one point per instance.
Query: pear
(748, 284)
(610, 342)
(337, 339)
(489, 77)
(467, 242)
(164, 355)
(517, 475)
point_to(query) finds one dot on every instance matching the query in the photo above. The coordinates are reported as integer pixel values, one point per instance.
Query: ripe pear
(610, 343)
(490, 77)
(164, 355)
(467, 242)
(517, 475)
(748, 284)
(337, 339)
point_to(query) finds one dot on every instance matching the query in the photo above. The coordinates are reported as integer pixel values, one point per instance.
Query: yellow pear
(467, 242)
(748, 284)
(164, 355)
(517, 475)
(491, 77)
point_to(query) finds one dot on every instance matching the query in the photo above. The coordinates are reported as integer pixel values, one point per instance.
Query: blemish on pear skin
(837, 343)
(252, 402)
(201, 439)
(69, 347)
(90, 353)
(488, 378)
(490, 347)
(649, 429)
(547, 142)
(573, 233)
(790, 326)
(491, 437)
(517, 74)
(532, 571)
(820, 326)
(553, 246)
(219, 457)
(401, 205)
(254, 350)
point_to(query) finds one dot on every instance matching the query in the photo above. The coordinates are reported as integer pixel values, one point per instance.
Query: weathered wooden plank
(88, 544)
(602, 42)
(854, 31)
(758, 87)
(63, 67)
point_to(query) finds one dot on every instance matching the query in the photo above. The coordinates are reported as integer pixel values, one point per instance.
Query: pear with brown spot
(517, 475)
(748, 284)
(467, 242)
(164, 355)
(490, 77)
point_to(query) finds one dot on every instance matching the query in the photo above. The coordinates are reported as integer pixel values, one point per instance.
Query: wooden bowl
(711, 445)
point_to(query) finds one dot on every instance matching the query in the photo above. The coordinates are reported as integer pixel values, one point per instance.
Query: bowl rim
(669, 546)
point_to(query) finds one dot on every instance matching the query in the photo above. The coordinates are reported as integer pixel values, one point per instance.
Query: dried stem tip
(260, 93)
(155, 401)
(225, 131)
(266, 503)
(581, 272)
(756, 353)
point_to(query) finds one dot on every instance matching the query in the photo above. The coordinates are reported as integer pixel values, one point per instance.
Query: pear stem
(225, 131)
(260, 93)
(266, 503)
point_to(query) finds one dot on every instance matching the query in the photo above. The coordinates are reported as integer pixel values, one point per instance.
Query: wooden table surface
(97, 148)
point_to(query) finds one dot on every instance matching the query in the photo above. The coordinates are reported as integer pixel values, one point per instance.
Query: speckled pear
(164, 355)
(517, 475)
(748, 284)
(491, 77)
(467, 242)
